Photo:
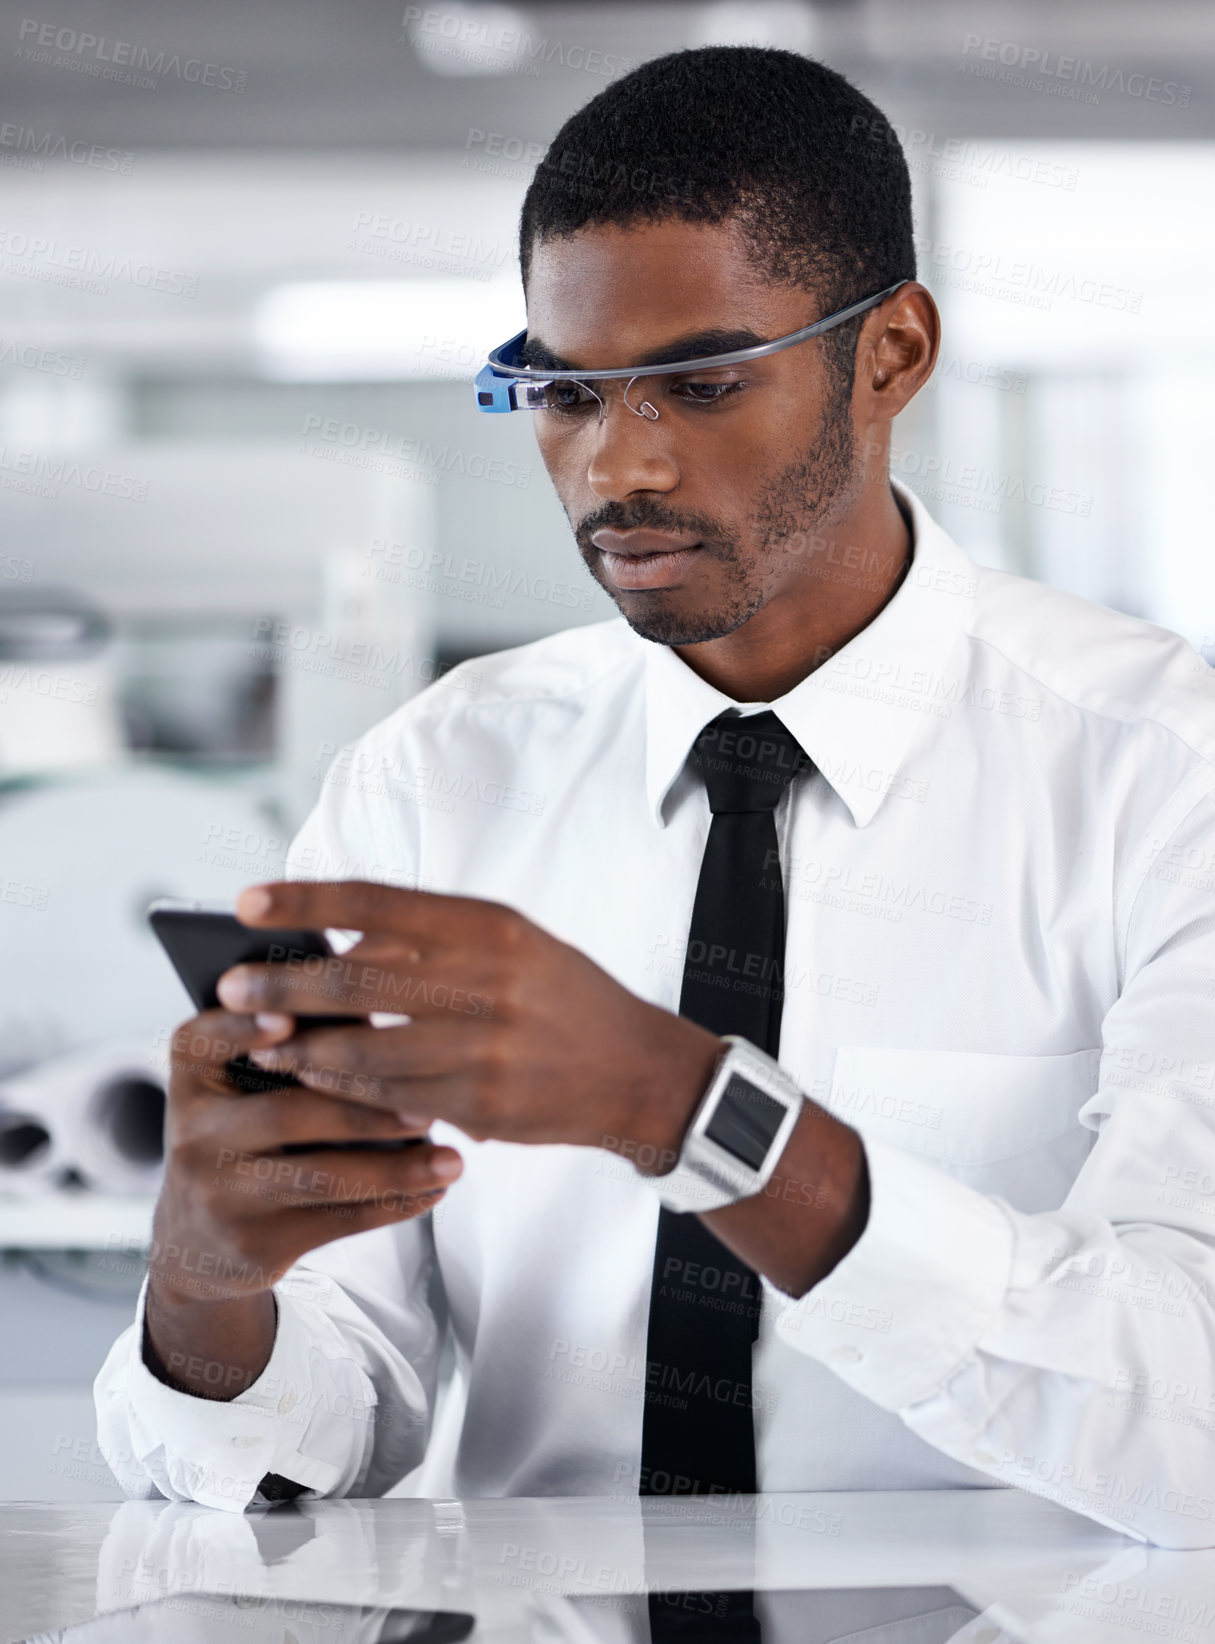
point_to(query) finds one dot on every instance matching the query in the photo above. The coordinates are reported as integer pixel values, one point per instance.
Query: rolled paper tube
(29, 1159)
(93, 1118)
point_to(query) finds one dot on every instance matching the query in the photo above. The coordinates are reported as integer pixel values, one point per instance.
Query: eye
(569, 397)
(705, 392)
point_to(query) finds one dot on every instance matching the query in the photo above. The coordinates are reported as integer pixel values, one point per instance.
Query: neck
(829, 595)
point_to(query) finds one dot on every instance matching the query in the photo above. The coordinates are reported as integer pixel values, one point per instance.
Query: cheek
(740, 470)
(555, 452)
(561, 465)
(548, 439)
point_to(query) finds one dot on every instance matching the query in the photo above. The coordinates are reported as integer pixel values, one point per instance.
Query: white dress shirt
(1000, 883)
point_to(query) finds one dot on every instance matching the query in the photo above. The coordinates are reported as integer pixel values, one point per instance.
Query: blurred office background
(250, 257)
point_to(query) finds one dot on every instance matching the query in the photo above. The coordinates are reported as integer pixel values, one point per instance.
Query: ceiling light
(457, 38)
(388, 330)
(782, 23)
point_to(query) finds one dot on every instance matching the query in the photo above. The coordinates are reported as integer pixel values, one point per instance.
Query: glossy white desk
(1037, 1570)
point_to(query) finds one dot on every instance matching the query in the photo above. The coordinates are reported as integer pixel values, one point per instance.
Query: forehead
(609, 293)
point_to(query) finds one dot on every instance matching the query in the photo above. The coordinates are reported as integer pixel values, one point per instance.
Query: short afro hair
(809, 169)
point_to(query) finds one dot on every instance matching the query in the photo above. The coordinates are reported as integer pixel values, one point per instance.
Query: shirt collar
(856, 714)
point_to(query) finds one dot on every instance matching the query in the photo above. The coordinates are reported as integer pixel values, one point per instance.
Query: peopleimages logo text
(98, 48)
(1076, 70)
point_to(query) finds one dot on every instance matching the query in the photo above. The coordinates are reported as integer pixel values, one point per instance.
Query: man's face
(744, 469)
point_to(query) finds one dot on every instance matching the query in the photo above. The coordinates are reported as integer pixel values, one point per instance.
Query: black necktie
(698, 1434)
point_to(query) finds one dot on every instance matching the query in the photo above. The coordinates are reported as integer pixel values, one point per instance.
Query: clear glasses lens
(574, 399)
(532, 396)
(568, 397)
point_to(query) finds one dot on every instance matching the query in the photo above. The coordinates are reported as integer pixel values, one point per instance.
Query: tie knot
(747, 763)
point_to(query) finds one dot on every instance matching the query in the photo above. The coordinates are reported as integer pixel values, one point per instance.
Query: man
(937, 884)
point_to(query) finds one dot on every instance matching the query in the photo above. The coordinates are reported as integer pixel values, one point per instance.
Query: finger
(201, 1048)
(380, 1064)
(337, 1177)
(363, 905)
(342, 986)
(291, 1118)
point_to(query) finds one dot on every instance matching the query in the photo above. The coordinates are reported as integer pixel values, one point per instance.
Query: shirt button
(246, 1442)
(847, 1355)
(287, 1403)
(987, 1635)
(986, 1458)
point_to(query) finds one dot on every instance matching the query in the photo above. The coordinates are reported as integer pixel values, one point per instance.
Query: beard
(811, 492)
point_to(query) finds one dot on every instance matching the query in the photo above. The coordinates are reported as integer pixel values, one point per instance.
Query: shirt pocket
(1008, 1125)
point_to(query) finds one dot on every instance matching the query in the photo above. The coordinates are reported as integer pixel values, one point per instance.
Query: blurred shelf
(75, 1221)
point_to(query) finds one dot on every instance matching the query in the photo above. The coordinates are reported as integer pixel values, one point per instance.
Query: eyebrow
(696, 345)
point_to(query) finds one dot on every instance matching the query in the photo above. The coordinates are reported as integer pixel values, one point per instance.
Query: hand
(236, 1209)
(513, 1035)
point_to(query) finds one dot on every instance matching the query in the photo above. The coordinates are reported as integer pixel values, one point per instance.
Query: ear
(896, 352)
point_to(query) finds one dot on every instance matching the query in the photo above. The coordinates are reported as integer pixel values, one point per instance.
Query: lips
(640, 543)
(648, 571)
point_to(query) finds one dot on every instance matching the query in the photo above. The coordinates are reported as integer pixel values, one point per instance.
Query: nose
(632, 451)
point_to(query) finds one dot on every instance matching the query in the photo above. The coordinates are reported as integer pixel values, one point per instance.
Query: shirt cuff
(909, 1302)
(217, 1451)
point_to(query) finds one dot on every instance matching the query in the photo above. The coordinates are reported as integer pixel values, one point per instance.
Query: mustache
(614, 516)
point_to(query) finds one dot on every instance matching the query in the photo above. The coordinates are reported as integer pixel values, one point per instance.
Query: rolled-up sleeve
(1070, 1352)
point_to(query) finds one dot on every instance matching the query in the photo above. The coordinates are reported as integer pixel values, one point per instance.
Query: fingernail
(271, 1021)
(254, 902)
(231, 991)
(446, 1166)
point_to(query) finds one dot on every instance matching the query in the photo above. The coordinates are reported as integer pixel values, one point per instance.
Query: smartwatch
(738, 1132)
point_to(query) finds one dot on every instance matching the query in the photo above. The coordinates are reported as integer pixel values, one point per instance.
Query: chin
(670, 627)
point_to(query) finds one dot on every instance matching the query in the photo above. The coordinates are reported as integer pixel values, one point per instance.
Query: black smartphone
(203, 943)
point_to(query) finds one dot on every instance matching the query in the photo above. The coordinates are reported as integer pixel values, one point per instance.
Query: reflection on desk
(975, 1566)
(892, 1615)
(213, 1618)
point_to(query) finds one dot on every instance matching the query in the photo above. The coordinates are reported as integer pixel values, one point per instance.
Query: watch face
(745, 1121)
